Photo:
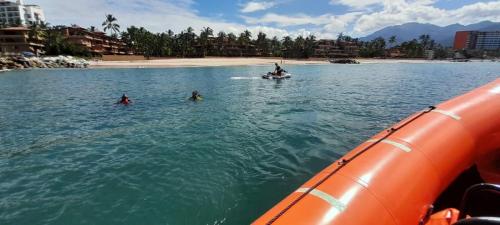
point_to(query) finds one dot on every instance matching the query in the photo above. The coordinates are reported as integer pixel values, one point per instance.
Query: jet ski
(273, 76)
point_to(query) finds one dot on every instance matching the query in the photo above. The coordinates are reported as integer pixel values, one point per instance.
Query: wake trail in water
(245, 78)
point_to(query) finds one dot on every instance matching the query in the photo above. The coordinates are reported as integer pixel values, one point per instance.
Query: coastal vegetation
(187, 43)
(207, 42)
(111, 24)
(379, 47)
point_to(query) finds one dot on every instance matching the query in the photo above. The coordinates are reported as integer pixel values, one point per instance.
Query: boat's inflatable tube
(396, 176)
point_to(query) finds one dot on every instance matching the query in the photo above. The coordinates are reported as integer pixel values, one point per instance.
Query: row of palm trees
(187, 43)
(412, 49)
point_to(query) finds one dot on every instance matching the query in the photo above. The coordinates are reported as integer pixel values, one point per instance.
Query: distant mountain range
(442, 35)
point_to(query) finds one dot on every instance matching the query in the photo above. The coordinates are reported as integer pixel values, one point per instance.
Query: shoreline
(15, 64)
(202, 62)
(223, 62)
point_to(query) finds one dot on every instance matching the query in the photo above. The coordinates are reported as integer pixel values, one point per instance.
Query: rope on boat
(344, 162)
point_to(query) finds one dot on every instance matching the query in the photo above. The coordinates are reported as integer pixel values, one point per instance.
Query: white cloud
(254, 6)
(155, 15)
(161, 15)
(341, 24)
(356, 4)
(288, 20)
(323, 26)
(302, 19)
(475, 12)
(400, 11)
(365, 4)
(269, 31)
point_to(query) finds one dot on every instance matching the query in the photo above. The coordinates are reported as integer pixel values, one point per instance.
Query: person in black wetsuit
(278, 71)
(195, 96)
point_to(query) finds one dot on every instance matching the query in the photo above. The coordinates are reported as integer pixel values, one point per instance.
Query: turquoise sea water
(69, 155)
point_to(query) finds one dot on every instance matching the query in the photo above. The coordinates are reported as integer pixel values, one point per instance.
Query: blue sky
(323, 18)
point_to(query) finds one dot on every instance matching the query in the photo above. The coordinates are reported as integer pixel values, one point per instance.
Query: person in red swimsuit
(125, 100)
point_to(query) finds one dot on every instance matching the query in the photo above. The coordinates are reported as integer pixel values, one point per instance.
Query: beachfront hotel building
(477, 40)
(335, 49)
(15, 12)
(16, 40)
(97, 43)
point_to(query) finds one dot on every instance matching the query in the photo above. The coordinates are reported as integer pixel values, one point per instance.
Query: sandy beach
(201, 62)
(216, 62)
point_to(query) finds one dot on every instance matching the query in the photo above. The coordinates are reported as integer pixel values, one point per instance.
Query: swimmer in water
(125, 100)
(195, 96)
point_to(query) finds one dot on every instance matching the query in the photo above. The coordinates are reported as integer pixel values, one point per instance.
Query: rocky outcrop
(20, 62)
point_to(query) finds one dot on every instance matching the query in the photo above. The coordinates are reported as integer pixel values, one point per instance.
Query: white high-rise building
(17, 13)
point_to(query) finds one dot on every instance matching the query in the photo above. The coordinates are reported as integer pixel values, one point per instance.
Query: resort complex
(15, 40)
(97, 43)
(15, 13)
(336, 49)
(477, 40)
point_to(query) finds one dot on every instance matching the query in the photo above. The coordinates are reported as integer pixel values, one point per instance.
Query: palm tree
(432, 44)
(44, 25)
(425, 40)
(231, 38)
(298, 47)
(170, 33)
(205, 35)
(248, 34)
(392, 40)
(245, 38)
(309, 46)
(54, 42)
(379, 45)
(170, 42)
(221, 38)
(287, 46)
(110, 24)
(185, 41)
(36, 32)
(340, 38)
(263, 43)
(207, 31)
(276, 47)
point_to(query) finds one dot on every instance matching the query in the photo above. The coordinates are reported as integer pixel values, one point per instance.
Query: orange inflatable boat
(439, 166)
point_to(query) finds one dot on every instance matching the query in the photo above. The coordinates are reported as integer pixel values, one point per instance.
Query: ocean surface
(70, 155)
